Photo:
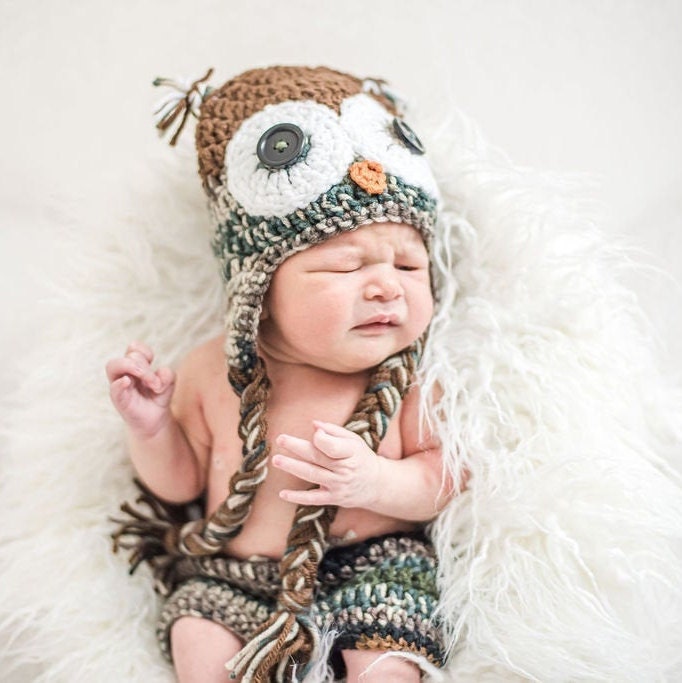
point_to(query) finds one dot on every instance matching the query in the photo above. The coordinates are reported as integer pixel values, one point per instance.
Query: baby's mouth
(378, 323)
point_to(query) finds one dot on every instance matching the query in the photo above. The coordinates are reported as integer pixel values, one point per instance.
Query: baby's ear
(265, 310)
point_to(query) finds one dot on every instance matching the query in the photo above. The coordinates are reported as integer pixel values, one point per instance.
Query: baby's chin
(371, 355)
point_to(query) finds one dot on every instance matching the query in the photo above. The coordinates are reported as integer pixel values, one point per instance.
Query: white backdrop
(590, 87)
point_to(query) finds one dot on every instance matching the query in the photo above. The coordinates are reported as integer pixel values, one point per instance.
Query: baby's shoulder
(205, 359)
(202, 385)
(203, 367)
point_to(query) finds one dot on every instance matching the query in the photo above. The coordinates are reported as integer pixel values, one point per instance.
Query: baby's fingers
(118, 367)
(333, 429)
(140, 351)
(304, 470)
(334, 441)
(310, 497)
(299, 447)
(120, 392)
(166, 379)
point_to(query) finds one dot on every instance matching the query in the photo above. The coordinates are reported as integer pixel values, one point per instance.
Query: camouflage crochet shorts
(378, 594)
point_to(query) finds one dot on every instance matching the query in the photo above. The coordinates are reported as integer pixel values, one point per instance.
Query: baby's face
(347, 304)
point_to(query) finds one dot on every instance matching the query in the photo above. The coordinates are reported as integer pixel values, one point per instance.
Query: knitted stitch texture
(249, 92)
(379, 594)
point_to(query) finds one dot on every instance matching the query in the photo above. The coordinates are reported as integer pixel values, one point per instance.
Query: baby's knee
(365, 666)
(200, 648)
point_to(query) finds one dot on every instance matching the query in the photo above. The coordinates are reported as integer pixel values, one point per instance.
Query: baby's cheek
(427, 311)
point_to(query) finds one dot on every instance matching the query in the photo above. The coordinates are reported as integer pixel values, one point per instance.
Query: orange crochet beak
(369, 175)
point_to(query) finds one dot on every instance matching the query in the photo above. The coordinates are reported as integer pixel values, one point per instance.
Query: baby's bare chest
(290, 410)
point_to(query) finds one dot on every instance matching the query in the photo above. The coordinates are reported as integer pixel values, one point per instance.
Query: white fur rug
(562, 561)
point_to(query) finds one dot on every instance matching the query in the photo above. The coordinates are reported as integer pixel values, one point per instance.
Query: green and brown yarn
(199, 538)
(250, 249)
(378, 594)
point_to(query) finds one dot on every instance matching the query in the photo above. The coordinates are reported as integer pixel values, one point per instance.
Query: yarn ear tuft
(381, 88)
(185, 98)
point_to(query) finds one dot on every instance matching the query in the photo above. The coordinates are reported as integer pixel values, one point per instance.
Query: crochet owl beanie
(289, 157)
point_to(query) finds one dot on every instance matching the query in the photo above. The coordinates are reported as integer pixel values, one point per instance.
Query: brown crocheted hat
(290, 157)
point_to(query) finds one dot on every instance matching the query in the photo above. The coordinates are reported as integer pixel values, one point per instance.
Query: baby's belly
(353, 525)
(265, 534)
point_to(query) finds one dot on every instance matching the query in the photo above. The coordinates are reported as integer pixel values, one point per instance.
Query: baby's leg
(200, 649)
(393, 669)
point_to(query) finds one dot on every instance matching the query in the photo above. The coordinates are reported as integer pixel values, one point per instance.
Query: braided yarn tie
(388, 385)
(266, 658)
(207, 538)
(288, 639)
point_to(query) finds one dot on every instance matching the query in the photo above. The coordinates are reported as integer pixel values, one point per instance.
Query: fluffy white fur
(562, 559)
(560, 562)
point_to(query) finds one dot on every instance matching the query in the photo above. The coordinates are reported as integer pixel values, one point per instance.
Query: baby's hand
(142, 396)
(338, 460)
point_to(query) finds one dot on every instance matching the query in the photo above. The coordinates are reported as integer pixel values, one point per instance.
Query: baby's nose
(384, 285)
(369, 175)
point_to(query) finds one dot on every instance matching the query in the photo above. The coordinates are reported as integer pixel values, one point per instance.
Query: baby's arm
(349, 474)
(161, 453)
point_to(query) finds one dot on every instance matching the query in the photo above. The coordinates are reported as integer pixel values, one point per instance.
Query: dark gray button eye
(280, 145)
(408, 136)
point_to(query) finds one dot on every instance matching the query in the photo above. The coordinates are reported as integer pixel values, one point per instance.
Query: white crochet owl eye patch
(370, 127)
(363, 130)
(266, 192)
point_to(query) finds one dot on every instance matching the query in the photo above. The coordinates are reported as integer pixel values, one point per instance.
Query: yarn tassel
(153, 537)
(185, 99)
(285, 644)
